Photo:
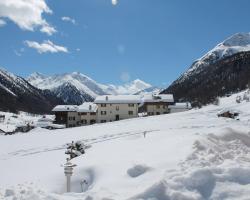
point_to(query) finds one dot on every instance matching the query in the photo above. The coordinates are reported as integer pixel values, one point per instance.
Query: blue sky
(153, 40)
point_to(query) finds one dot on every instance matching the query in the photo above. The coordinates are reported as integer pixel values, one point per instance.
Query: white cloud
(114, 2)
(125, 76)
(50, 30)
(68, 19)
(46, 47)
(2, 22)
(27, 14)
(78, 49)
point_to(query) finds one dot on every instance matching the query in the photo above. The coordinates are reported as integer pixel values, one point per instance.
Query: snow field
(184, 156)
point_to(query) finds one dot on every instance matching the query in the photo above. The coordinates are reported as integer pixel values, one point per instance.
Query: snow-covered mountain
(224, 69)
(128, 88)
(17, 94)
(239, 42)
(75, 88)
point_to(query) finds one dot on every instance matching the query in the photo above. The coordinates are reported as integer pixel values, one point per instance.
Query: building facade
(109, 108)
(67, 115)
(156, 104)
(115, 108)
(87, 113)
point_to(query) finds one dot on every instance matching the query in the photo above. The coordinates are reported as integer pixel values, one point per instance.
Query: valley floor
(192, 155)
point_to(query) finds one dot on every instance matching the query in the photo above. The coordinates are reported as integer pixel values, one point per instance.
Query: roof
(120, 99)
(169, 98)
(185, 105)
(65, 108)
(45, 119)
(87, 107)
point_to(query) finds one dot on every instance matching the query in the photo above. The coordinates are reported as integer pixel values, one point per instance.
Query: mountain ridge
(18, 95)
(84, 87)
(224, 69)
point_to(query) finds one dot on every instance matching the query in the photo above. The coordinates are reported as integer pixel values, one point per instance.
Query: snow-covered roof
(7, 128)
(45, 119)
(158, 98)
(87, 107)
(65, 108)
(185, 105)
(118, 99)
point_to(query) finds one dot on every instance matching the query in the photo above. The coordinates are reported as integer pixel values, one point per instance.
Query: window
(71, 118)
(83, 114)
(131, 105)
(103, 112)
(92, 121)
(103, 121)
(130, 112)
(93, 113)
(103, 105)
(117, 108)
(150, 113)
(158, 113)
(74, 118)
(84, 121)
(158, 106)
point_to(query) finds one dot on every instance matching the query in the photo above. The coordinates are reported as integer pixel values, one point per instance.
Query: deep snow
(190, 155)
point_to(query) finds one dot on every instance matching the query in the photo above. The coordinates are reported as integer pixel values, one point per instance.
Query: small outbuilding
(180, 107)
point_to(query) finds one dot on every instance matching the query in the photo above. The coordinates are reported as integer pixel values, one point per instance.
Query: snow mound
(137, 170)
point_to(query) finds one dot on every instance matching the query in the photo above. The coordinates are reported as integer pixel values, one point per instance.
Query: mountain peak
(140, 84)
(239, 42)
(238, 39)
(37, 75)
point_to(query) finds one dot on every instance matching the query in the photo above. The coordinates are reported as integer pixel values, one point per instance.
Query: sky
(115, 41)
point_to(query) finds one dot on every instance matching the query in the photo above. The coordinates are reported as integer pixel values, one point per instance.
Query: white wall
(116, 109)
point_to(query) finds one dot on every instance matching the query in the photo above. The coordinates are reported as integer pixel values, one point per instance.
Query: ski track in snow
(87, 142)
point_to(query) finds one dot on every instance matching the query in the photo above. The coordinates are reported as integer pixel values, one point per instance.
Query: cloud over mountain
(27, 14)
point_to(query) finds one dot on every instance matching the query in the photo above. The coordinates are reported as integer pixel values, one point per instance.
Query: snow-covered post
(68, 171)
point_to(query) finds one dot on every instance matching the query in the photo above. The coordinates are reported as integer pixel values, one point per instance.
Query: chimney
(107, 98)
(90, 107)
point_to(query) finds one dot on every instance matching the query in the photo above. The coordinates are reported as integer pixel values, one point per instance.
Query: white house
(117, 107)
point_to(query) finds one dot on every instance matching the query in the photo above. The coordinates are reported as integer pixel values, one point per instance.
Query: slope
(193, 155)
(224, 69)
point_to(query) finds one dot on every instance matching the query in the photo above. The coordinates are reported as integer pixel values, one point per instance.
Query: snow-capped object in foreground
(192, 155)
(239, 42)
